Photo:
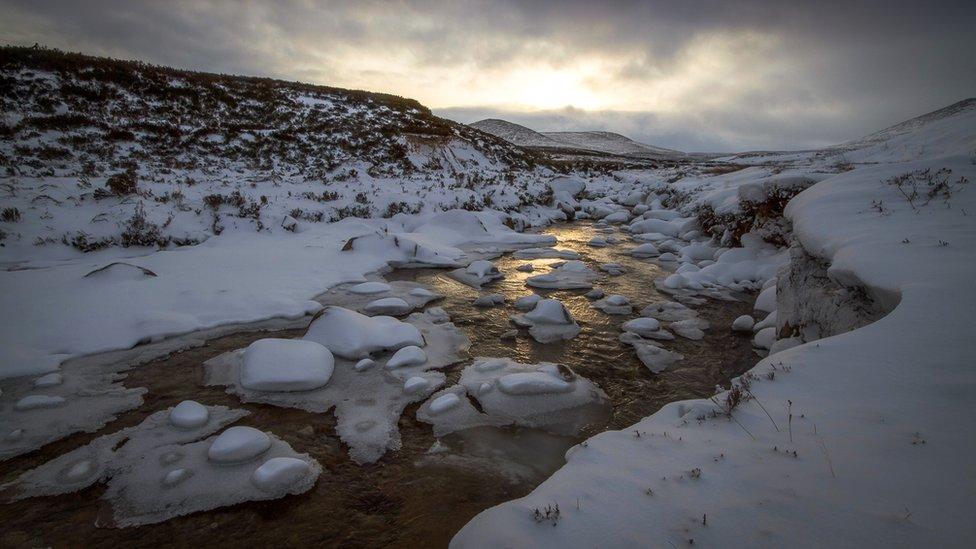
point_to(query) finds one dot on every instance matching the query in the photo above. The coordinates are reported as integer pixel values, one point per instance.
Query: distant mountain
(609, 142)
(591, 141)
(515, 133)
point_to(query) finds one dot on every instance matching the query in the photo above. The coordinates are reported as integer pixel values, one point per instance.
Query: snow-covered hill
(591, 141)
(97, 152)
(515, 133)
(946, 131)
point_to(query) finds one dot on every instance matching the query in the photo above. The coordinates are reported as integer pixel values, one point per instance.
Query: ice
(33, 402)
(410, 355)
(238, 444)
(644, 250)
(545, 396)
(49, 380)
(690, 328)
(489, 300)
(189, 414)
(614, 305)
(370, 288)
(368, 397)
(400, 298)
(549, 321)
(286, 365)
(570, 275)
(527, 302)
(477, 274)
(395, 306)
(352, 335)
(656, 358)
(545, 253)
(106, 455)
(743, 323)
(642, 326)
(613, 269)
(668, 311)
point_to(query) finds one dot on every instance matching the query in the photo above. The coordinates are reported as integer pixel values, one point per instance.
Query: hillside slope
(515, 133)
(97, 152)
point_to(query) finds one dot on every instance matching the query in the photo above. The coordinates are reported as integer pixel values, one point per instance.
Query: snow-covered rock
(614, 305)
(238, 444)
(189, 414)
(743, 323)
(353, 335)
(548, 321)
(568, 276)
(410, 355)
(286, 365)
(395, 306)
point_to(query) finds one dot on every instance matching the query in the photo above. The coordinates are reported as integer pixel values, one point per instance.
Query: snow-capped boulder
(286, 365)
(548, 321)
(368, 288)
(279, 473)
(353, 335)
(410, 355)
(743, 323)
(614, 305)
(644, 250)
(477, 274)
(189, 414)
(527, 302)
(238, 444)
(570, 275)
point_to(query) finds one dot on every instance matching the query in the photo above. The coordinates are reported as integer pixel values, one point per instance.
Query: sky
(716, 75)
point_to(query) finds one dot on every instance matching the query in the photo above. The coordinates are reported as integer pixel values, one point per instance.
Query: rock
(525, 268)
(489, 300)
(595, 293)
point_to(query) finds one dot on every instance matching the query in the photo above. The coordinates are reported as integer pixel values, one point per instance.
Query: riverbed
(424, 492)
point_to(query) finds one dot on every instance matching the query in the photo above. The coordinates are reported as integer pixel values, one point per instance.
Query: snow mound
(353, 335)
(477, 274)
(189, 414)
(286, 365)
(614, 305)
(238, 444)
(568, 276)
(548, 321)
(155, 471)
(368, 395)
(544, 396)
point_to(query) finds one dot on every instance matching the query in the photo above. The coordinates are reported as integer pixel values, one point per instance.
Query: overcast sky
(691, 75)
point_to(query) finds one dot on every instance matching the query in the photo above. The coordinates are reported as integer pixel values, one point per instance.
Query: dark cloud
(789, 74)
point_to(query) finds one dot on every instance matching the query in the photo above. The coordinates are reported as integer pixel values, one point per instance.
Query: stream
(411, 497)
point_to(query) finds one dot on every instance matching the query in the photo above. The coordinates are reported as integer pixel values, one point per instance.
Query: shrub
(122, 183)
(10, 215)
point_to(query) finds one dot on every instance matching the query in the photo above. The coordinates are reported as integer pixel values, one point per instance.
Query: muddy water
(409, 497)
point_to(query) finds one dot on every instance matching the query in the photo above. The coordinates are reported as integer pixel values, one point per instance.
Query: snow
(477, 274)
(766, 301)
(370, 288)
(642, 326)
(155, 471)
(238, 444)
(567, 276)
(854, 439)
(527, 302)
(545, 396)
(286, 365)
(656, 358)
(31, 402)
(189, 414)
(644, 250)
(614, 305)
(548, 321)
(352, 335)
(388, 306)
(743, 323)
(415, 385)
(279, 473)
(49, 380)
(410, 355)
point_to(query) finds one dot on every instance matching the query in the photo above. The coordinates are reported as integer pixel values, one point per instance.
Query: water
(410, 497)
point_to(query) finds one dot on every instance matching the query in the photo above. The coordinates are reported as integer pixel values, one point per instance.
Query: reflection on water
(423, 493)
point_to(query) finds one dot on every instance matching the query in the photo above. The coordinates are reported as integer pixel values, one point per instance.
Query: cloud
(699, 75)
